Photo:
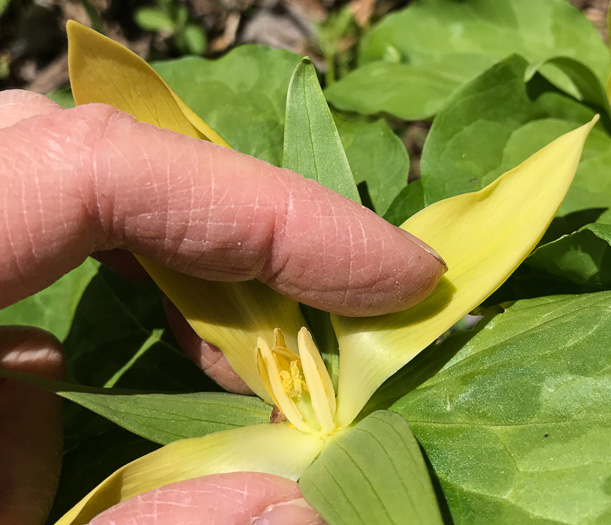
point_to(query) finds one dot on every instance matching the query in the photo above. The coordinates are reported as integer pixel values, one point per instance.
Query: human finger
(237, 498)
(92, 178)
(30, 427)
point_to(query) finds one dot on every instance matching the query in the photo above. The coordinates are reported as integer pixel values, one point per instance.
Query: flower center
(299, 384)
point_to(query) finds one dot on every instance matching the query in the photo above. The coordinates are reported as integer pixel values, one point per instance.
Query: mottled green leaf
(373, 472)
(513, 120)
(433, 46)
(312, 146)
(517, 426)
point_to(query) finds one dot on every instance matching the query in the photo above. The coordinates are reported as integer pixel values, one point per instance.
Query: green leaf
(588, 85)
(407, 91)
(583, 257)
(111, 333)
(408, 202)
(163, 418)
(513, 120)
(53, 308)
(373, 472)
(242, 95)
(312, 146)
(192, 40)
(152, 19)
(63, 97)
(377, 157)
(517, 426)
(443, 43)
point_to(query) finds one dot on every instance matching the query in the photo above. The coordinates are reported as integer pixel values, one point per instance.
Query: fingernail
(427, 249)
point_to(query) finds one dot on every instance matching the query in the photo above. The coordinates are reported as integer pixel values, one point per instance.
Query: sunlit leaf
(372, 473)
(517, 427)
(434, 46)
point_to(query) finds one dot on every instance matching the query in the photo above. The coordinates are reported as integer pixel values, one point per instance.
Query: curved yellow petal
(103, 71)
(483, 237)
(272, 449)
(232, 316)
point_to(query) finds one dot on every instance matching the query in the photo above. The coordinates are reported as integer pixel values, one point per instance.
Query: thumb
(222, 499)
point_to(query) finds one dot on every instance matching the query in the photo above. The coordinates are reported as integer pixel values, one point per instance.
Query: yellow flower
(483, 237)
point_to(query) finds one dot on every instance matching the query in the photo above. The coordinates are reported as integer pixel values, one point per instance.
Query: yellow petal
(483, 237)
(232, 316)
(103, 71)
(319, 383)
(272, 449)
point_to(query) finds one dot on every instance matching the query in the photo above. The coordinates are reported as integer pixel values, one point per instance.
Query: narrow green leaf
(312, 146)
(158, 417)
(583, 257)
(163, 418)
(517, 426)
(372, 473)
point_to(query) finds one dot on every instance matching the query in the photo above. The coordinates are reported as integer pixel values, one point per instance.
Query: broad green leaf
(583, 257)
(483, 237)
(377, 157)
(273, 449)
(312, 146)
(518, 426)
(513, 120)
(372, 473)
(409, 201)
(164, 418)
(406, 91)
(89, 462)
(53, 308)
(589, 87)
(116, 320)
(467, 37)
(242, 95)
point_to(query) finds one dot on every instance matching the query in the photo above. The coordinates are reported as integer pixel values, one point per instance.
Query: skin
(91, 179)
